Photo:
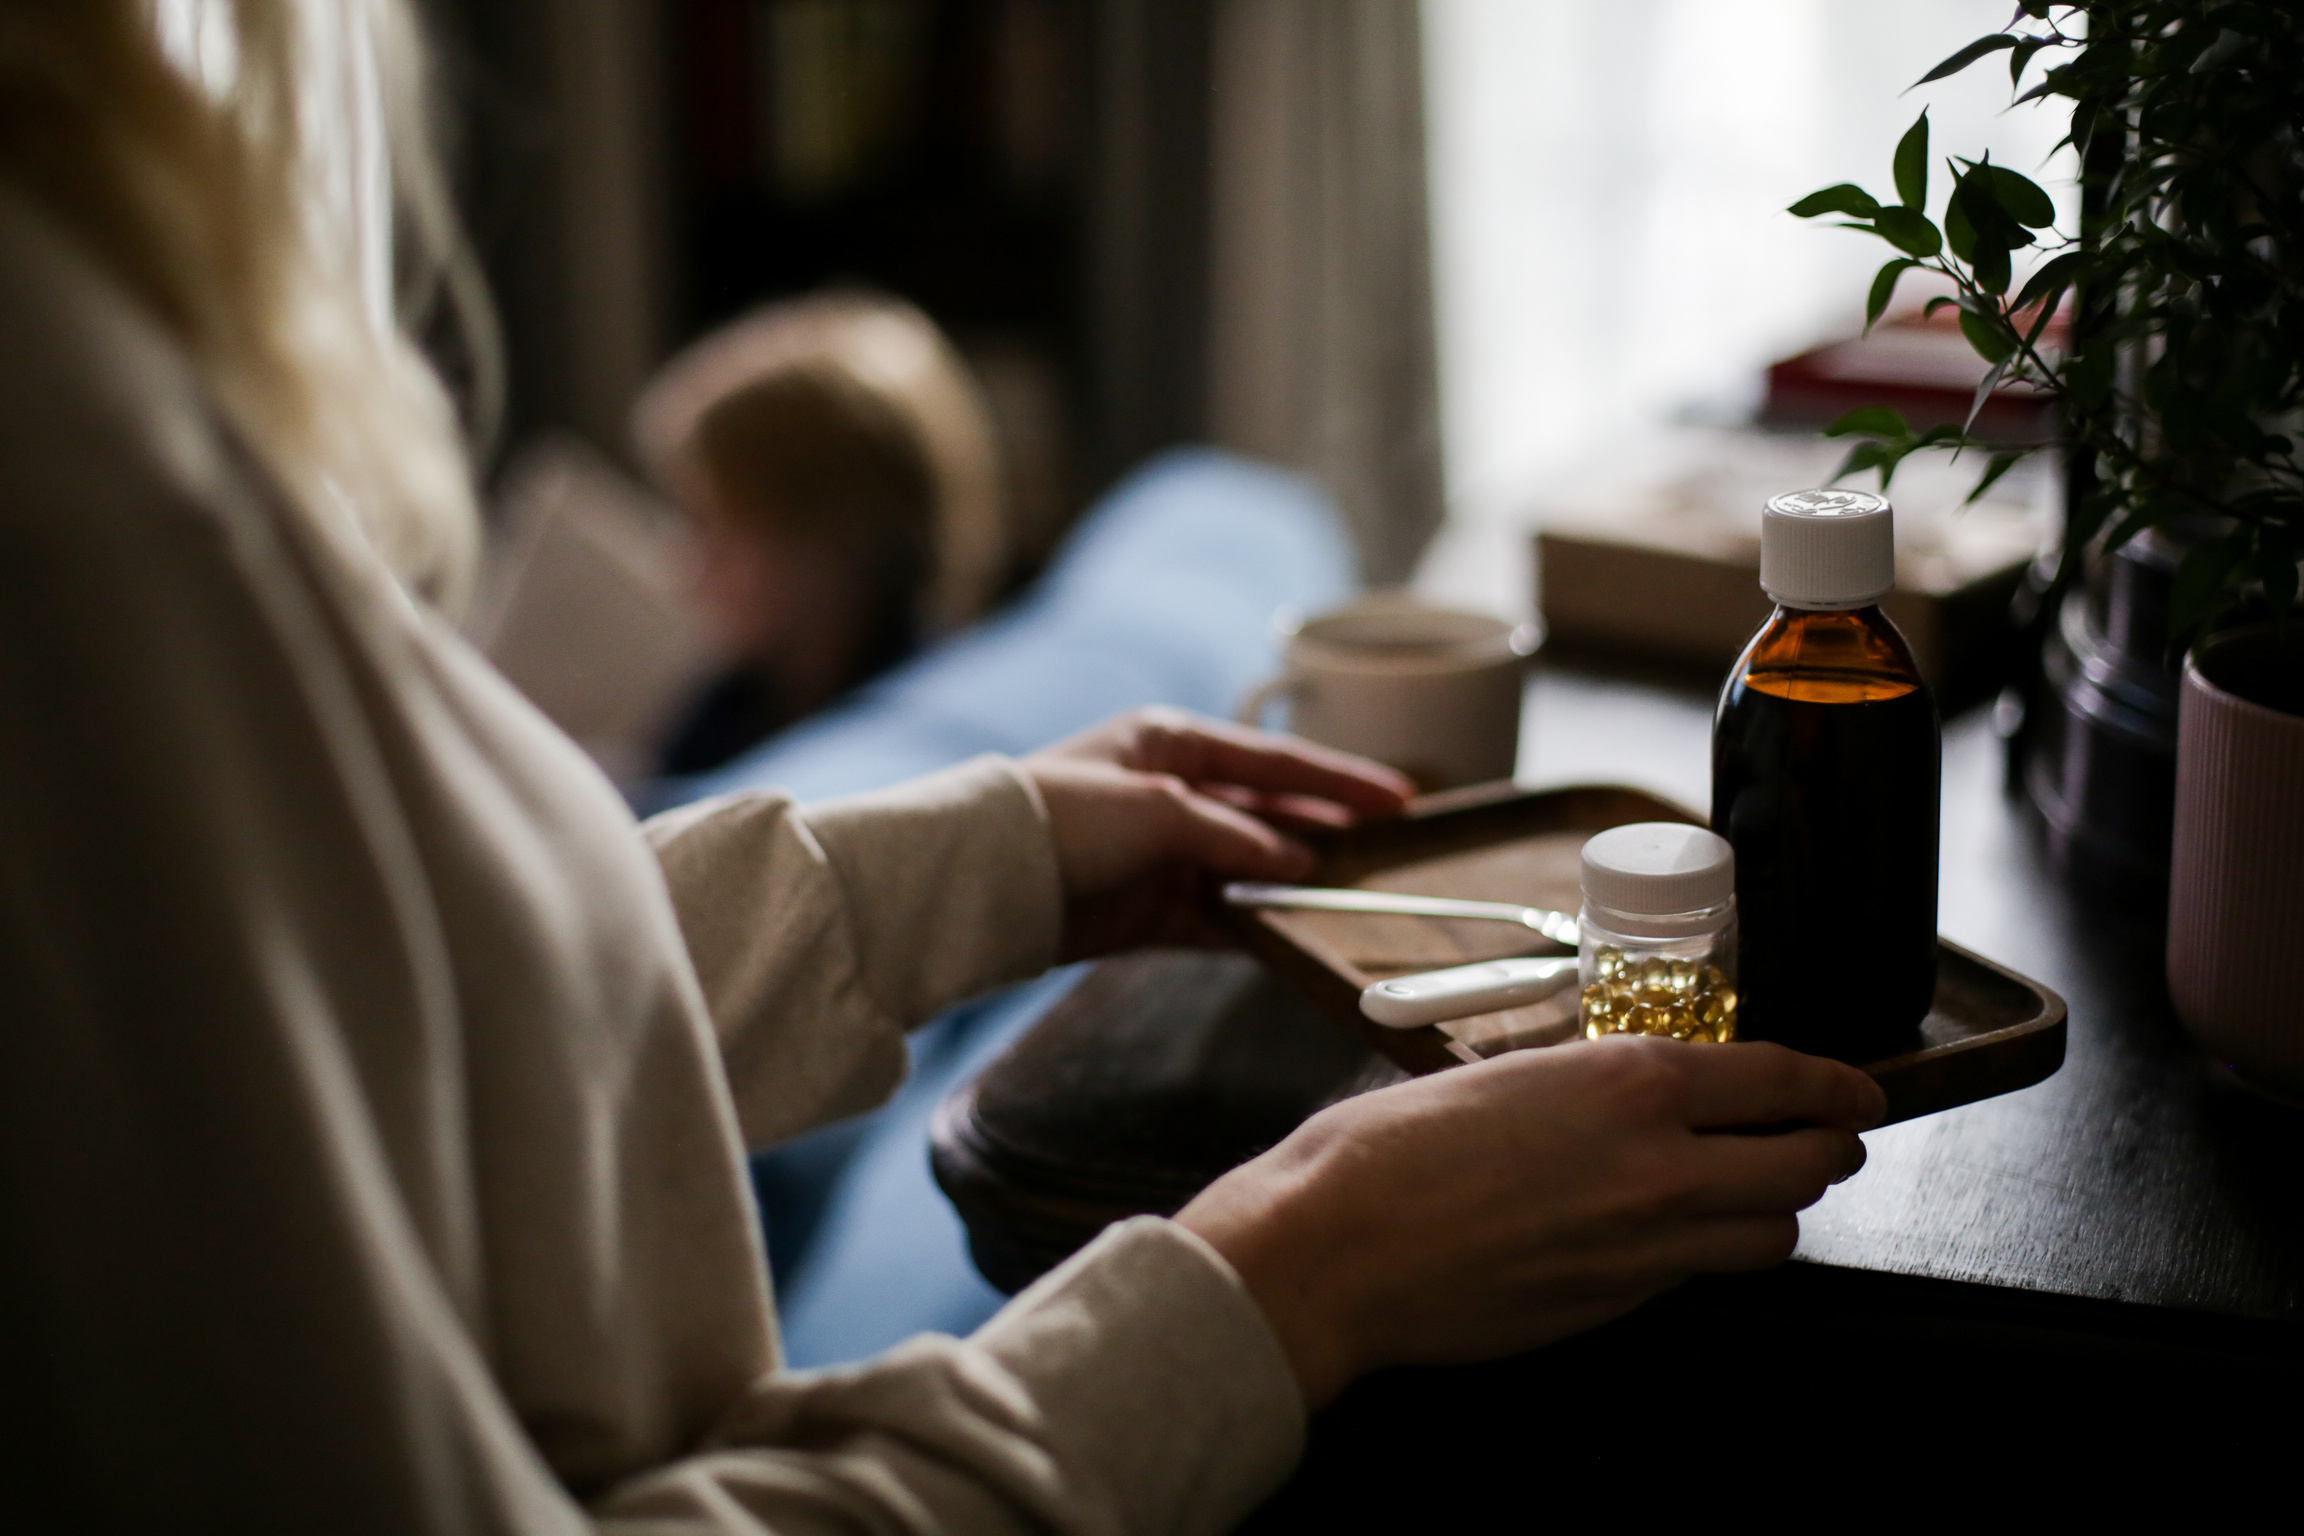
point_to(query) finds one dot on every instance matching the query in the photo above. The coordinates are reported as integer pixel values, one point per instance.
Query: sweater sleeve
(821, 934)
(1135, 1391)
(238, 1287)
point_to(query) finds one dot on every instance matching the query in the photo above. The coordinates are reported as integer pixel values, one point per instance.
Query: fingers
(1291, 812)
(1731, 1245)
(1210, 751)
(1773, 1175)
(1706, 1246)
(1760, 1084)
(1224, 839)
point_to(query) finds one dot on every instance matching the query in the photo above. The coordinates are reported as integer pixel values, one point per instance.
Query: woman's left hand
(1145, 805)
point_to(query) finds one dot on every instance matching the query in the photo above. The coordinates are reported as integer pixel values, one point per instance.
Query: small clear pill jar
(1658, 955)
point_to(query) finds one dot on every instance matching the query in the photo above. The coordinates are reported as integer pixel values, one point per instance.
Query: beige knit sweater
(373, 1092)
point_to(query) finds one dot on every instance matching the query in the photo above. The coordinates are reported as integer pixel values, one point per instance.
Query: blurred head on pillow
(839, 468)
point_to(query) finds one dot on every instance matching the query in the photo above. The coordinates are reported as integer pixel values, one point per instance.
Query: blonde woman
(373, 1091)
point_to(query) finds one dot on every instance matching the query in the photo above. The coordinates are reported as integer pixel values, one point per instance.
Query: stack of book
(1663, 563)
(1919, 366)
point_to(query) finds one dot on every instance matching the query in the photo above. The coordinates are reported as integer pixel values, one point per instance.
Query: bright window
(1608, 180)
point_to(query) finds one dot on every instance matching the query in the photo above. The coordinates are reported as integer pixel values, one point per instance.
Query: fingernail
(1856, 1163)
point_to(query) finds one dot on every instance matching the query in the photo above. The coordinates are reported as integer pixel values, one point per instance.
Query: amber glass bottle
(1825, 766)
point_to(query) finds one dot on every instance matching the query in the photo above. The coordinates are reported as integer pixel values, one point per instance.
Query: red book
(1923, 368)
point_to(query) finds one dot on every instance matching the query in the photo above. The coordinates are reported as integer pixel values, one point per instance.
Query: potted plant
(2181, 392)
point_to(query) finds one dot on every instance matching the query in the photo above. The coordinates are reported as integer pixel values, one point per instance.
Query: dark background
(1033, 173)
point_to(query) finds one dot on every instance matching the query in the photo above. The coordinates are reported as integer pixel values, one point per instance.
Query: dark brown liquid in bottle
(1825, 767)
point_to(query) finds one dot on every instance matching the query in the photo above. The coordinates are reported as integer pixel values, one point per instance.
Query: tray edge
(1908, 1078)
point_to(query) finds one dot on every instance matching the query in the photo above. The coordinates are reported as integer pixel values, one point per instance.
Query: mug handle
(1261, 698)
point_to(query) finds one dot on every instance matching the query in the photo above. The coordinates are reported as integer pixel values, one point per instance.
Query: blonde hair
(852, 413)
(198, 169)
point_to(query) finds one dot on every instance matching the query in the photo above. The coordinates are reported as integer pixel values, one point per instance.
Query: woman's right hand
(1496, 1207)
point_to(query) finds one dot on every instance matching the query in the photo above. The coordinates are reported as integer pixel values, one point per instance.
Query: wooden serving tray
(1990, 1031)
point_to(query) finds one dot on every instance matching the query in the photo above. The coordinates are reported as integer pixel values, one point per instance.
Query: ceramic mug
(1434, 692)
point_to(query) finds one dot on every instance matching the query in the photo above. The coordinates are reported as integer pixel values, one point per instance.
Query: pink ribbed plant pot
(2236, 888)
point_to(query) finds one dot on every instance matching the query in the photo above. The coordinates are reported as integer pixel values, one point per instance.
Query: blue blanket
(1166, 593)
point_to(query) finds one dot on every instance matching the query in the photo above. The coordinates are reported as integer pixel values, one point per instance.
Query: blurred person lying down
(374, 1090)
(840, 472)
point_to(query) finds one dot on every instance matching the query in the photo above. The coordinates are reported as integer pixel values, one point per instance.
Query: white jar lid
(1658, 869)
(1827, 549)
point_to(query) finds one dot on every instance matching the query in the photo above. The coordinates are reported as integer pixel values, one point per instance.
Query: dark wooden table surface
(2095, 1282)
(2073, 1280)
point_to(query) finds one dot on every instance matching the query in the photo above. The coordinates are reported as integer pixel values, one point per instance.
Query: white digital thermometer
(1433, 997)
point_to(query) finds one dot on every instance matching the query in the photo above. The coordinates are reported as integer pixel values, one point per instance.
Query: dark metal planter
(2100, 758)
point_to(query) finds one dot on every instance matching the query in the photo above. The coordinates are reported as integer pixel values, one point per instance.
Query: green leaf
(2000, 464)
(2049, 280)
(1967, 56)
(1866, 456)
(1984, 386)
(2040, 319)
(1976, 194)
(1884, 289)
(1870, 421)
(1959, 234)
(2022, 198)
(1990, 264)
(2083, 522)
(2228, 46)
(2132, 522)
(1847, 198)
(1912, 164)
(2021, 55)
(1909, 230)
(1929, 309)
(2088, 378)
(1991, 341)
(2050, 84)
(2205, 584)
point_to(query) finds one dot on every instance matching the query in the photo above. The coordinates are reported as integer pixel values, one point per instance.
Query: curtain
(1321, 343)
(1147, 228)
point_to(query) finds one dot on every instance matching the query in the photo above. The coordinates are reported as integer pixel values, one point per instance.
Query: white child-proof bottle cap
(1659, 878)
(1827, 549)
